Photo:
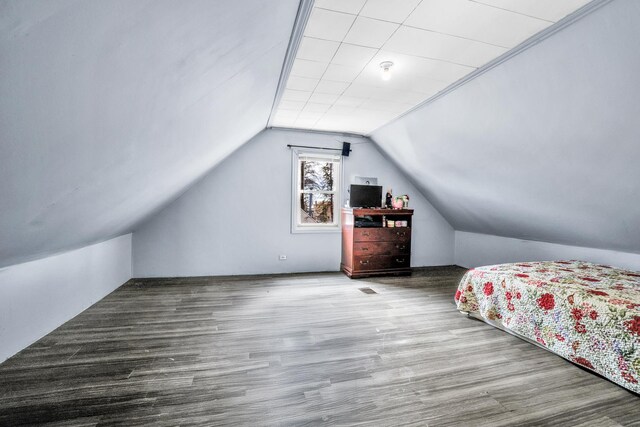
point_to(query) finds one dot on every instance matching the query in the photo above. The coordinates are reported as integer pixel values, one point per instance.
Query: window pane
(316, 175)
(316, 208)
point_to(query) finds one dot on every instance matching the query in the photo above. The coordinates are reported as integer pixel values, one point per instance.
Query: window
(316, 195)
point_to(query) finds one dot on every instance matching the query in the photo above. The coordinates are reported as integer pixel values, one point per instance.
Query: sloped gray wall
(38, 296)
(237, 219)
(110, 109)
(473, 250)
(544, 146)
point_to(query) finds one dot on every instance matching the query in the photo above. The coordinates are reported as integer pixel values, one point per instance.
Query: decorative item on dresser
(376, 242)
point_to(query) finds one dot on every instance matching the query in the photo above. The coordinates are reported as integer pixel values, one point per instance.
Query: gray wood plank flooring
(304, 349)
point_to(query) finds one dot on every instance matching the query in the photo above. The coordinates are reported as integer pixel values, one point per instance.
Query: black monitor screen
(365, 196)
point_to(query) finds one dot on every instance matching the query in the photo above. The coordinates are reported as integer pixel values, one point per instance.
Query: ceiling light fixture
(386, 69)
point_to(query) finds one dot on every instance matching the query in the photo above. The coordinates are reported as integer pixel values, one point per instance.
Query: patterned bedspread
(586, 313)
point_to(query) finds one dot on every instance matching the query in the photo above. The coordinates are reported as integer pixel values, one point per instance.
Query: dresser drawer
(400, 234)
(380, 262)
(381, 248)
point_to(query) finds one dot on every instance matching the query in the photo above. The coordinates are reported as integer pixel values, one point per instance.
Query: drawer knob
(399, 260)
(400, 233)
(365, 249)
(364, 233)
(401, 247)
(364, 262)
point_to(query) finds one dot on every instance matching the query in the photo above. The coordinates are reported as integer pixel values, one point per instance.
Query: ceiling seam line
(453, 35)
(512, 11)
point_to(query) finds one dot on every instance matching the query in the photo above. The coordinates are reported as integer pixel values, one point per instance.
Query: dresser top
(374, 211)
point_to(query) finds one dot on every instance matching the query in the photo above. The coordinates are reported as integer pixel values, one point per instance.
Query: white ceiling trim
(302, 17)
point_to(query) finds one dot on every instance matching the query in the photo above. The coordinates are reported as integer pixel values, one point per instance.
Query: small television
(365, 196)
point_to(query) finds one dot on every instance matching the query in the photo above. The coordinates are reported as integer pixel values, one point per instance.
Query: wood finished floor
(309, 349)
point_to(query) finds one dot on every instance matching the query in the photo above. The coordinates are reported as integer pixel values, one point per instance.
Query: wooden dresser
(369, 249)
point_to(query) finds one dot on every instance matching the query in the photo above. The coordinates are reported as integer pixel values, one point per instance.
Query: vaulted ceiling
(110, 109)
(336, 81)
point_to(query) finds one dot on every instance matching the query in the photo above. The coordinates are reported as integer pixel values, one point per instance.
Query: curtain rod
(346, 148)
(309, 146)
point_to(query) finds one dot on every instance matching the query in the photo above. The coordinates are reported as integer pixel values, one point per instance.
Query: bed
(584, 312)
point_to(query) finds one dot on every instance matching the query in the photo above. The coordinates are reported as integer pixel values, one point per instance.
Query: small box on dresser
(371, 249)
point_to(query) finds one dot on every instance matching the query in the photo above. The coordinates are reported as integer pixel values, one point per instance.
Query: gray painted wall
(237, 219)
(473, 250)
(38, 296)
(110, 109)
(542, 147)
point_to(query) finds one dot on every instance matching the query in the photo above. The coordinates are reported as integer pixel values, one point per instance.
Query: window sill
(316, 230)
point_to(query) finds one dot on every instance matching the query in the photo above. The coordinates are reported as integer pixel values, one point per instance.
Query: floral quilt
(586, 313)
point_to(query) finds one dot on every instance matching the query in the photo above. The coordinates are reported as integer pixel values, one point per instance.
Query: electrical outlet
(283, 258)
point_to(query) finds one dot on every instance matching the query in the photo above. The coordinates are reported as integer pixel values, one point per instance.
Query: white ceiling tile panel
(388, 94)
(312, 107)
(409, 65)
(330, 120)
(328, 86)
(366, 118)
(287, 115)
(370, 32)
(291, 105)
(428, 44)
(323, 98)
(340, 109)
(422, 86)
(353, 56)
(406, 75)
(285, 118)
(328, 25)
(347, 6)
(317, 49)
(311, 69)
(310, 115)
(341, 73)
(349, 101)
(339, 122)
(409, 97)
(358, 91)
(551, 10)
(302, 83)
(389, 10)
(427, 87)
(388, 106)
(384, 93)
(284, 123)
(295, 95)
(475, 21)
(379, 115)
(306, 123)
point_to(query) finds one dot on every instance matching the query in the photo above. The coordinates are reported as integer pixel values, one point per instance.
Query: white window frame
(297, 155)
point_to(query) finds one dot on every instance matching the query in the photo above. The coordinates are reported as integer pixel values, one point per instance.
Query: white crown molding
(302, 17)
